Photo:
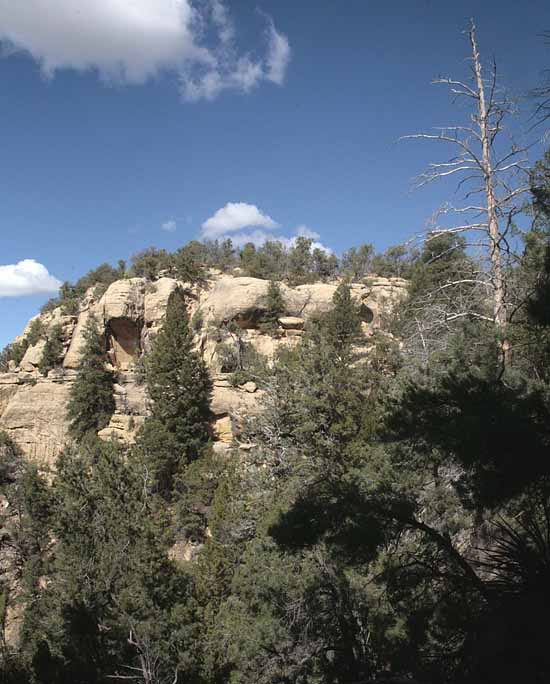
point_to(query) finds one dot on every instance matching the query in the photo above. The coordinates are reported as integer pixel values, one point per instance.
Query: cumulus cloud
(246, 223)
(233, 217)
(27, 277)
(132, 41)
(260, 237)
(169, 226)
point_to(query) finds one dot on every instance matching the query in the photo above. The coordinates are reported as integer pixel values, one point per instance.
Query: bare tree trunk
(499, 306)
(489, 175)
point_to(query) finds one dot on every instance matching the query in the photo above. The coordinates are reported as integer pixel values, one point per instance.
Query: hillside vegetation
(381, 511)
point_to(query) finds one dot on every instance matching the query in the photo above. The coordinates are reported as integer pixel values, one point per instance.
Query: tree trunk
(495, 237)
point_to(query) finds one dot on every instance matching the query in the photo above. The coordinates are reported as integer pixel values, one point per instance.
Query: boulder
(124, 299)
(33, 356)
(241, 299)
(291, 323)
(223, 429)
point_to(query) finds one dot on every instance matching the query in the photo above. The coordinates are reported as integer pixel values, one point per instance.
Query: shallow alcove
(366, 313)
(123, 340)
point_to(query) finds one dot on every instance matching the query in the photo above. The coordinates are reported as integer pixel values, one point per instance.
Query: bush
(275, 308)
(13, 352)
(37, 331)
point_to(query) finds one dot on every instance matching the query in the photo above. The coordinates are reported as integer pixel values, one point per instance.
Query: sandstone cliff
(32, 407)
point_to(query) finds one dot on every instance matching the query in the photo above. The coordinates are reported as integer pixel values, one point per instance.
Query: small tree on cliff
(275, 307)
(179, 387)
(53, 350)
(91, 403)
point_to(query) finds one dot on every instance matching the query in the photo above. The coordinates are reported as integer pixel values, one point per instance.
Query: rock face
(130, 312)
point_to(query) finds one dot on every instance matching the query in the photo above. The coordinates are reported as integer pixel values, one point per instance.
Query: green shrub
(53, 350)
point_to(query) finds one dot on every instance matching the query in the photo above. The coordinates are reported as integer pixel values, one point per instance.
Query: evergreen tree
(275, 307)
(115, 605)
(177, 431)
(300, 261)
(341, 326)
(91, 403)
(53, 350)
(36, 332)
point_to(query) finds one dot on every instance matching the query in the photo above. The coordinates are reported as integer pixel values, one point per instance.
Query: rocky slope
(32, 407)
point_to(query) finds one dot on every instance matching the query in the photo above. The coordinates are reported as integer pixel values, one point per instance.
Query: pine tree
(179, 387)
(275, 307)
(114, 602)
(91, 402)
(342, 325)
(53, 350)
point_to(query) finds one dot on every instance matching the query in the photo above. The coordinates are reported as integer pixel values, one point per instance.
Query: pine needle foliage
(53, 350)
(91, 403)
(177, 431)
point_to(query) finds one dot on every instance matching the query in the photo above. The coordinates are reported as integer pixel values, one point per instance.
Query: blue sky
(95, 164)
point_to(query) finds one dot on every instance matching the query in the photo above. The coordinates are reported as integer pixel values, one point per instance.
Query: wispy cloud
(278, 56)
(131, 42)
(169, 226)
(27, 277)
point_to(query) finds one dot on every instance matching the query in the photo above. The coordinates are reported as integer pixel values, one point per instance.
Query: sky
(131, 123)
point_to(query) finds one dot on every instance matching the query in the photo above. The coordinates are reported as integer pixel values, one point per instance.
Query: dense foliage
(91, 403)
(177, 431)
(385, 516)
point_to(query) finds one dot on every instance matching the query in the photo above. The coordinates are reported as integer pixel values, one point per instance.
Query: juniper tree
(275, 307)
(53, 350)
(91, 402)
(115, 604)
(178, 384)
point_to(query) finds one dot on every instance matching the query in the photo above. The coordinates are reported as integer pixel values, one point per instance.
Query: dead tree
(493, 177)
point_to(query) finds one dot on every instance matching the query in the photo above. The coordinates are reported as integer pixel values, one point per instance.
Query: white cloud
(278, 56)
(27, 277)
(256, 237)
(169, 226)
(304, 231)
(235, 216)
(131, 41)
(246, 223)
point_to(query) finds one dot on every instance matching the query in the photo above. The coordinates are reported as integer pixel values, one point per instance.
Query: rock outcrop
(130, 312)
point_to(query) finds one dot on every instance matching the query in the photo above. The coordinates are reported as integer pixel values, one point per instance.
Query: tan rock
(122, 428)
(222, 449)
(72, 357)
(185, 551)
(231, 401)
(10, 378)
(156, 301)
(130, 397)
(35, 419)
(291, 322)
(7, 391)
(124, 299)
(241, 299)
(250, 387)
(123, 342)
(33, 356)
(32, 408)
(223, 429)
